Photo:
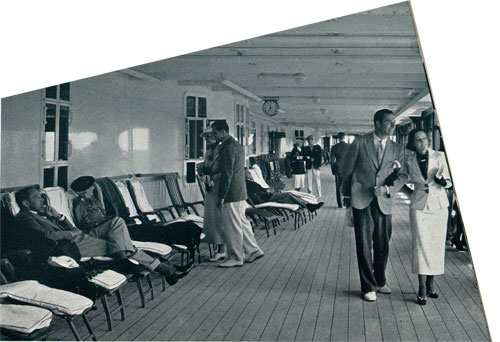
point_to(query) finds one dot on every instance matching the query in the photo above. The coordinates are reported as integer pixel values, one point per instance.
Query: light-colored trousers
(238, 235)
(316, 174)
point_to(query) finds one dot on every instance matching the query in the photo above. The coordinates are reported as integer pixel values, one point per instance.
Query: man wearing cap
(297, 163)
(313, 156)
(40, 223)
(87, 208)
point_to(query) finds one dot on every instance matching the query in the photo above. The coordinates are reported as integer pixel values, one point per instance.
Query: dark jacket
(297, 162)
(337, 156)
(46, 236)
(232, 186)
(316, 157)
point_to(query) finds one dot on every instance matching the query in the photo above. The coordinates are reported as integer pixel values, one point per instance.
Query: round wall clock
(270, 108)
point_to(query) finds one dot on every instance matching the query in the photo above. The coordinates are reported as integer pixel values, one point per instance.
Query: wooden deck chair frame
(182, 249)
(175, 193)
(8, 274)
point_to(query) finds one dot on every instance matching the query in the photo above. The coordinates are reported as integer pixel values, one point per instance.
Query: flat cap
(82, 183)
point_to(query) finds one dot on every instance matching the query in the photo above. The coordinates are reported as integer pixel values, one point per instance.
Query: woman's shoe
(421, 301)
(432, 294)
(218, 256)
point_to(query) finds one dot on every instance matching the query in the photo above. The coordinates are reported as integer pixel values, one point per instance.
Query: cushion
(109, 280)
(153, 247)
(59, 201)
(278, 205)
(10, 199)
(24, 318)
(58, 301)
(63, 261)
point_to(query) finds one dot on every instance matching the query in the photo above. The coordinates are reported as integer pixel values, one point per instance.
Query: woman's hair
(411, 138)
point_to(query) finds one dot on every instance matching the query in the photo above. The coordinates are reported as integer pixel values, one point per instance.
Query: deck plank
(305, 288)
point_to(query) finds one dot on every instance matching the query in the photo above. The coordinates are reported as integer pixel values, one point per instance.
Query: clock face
(270, 108)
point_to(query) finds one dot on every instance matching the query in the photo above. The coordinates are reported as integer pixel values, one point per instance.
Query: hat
(206, 131)
(82, 183)
(309, 137)
(299, 140)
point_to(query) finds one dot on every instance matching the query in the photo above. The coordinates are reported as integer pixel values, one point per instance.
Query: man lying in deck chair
(260, 195)
(39, 222)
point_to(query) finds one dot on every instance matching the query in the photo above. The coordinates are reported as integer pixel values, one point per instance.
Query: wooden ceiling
(331, 75)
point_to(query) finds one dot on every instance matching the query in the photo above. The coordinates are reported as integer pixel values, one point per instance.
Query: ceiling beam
(308, 51)
(241, 90)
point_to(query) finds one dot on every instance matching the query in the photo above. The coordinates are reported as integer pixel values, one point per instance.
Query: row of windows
(57, 119)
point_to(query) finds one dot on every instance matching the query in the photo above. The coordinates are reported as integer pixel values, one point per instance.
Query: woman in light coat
(428, 171)
(212, 217)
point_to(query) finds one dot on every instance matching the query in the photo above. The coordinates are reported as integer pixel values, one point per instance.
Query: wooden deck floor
(305, 288)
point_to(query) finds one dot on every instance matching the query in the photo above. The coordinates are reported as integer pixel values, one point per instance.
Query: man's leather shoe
(313, 207)
(370, 296)
(183, 270)
(385, 289)
(254, 256)
(231, 263)
(173, 279)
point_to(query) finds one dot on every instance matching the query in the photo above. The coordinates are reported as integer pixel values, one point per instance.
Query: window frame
(57, 164)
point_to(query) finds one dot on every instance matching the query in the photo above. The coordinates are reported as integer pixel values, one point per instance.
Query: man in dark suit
(40, 222)
(313, 156)
(337, 156)
(369, 164)
(240, 241)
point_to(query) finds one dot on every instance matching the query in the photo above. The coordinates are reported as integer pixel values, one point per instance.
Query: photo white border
(51, 42)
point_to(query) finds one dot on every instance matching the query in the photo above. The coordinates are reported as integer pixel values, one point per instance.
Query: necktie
(380, 152)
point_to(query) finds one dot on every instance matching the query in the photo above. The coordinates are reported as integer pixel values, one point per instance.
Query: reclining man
(89, 212)
(260, 195)
(39, 222)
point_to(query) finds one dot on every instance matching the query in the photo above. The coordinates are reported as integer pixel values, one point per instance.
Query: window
(241, 121)
(252, 136)
(55, 141)
(299, 134)
(196, 113)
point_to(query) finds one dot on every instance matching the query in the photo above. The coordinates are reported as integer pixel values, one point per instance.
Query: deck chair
(144, 207)
(105, 285)
(181, 206)
(59, 201)
(61, 303)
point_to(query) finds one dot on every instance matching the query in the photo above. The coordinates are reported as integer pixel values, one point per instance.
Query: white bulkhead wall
(120, 125)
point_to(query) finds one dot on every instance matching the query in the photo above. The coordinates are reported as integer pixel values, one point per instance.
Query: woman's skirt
(299, 181)
(428, 230)
(212, 220)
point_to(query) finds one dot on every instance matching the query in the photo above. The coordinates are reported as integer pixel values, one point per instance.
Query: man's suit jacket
(38, 231)
(428, 195)
(337, 156)
(232, 186)
(362, 173)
